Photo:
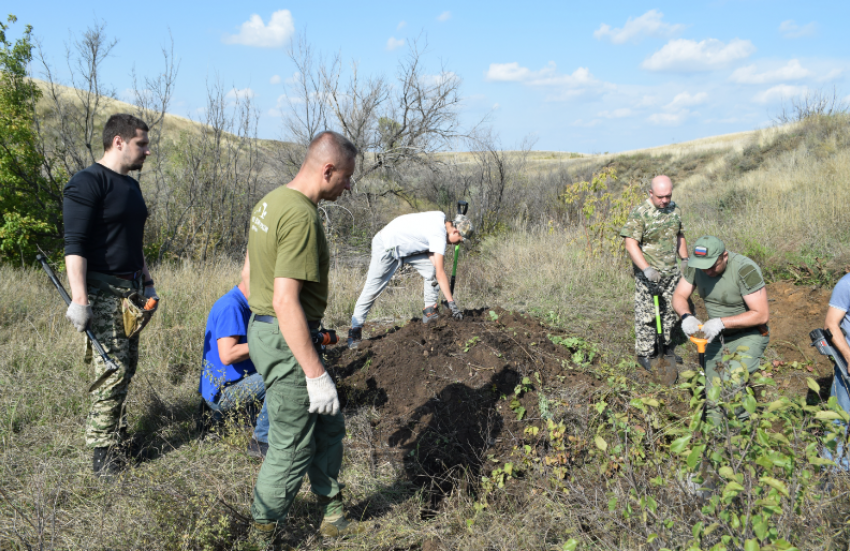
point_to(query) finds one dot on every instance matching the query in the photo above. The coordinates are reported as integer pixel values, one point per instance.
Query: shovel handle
(701, 343)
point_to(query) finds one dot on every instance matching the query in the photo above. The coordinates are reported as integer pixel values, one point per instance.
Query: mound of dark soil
(443, 391)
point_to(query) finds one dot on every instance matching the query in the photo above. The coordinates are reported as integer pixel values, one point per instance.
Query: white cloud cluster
(780, 93)
(676, 112)
(790, 71)
(401, 25)
(648, 24)
(445, 16)
(791, 29)
(275, 79)
(686, 99)
(394, 43)
(682, 55)
(240, 94)
(616, 113)
(255, 33)
(547, 76)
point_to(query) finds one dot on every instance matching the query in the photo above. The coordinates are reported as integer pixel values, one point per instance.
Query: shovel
(701, 344)
(663, 366)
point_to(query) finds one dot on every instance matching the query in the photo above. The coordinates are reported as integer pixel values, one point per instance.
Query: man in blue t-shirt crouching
(229, 380)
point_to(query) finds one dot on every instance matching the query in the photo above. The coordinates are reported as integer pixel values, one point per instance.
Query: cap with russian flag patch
(706, 251)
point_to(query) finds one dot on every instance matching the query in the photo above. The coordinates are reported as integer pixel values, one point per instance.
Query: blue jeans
(842, 394)
(246, 392)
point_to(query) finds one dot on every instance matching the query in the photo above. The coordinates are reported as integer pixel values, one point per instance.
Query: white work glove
(456, 313)
(652, 274)
(80, 316)
(712, 328)
(322, 392)
(150, 292)
(690, 325)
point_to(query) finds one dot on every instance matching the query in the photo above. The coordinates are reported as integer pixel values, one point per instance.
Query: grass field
(775, 196)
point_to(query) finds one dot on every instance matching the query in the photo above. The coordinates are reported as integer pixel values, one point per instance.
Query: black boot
(104, 463)
(670, 352)
(644, 362)
(430, 314)
(355, 335)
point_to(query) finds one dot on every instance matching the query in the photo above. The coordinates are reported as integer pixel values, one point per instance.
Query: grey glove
(690, 325)
(323, 397)
(150, 292)
(712, 328)
(456, 313)
(652, 274)
(80, 316)
(683, 265)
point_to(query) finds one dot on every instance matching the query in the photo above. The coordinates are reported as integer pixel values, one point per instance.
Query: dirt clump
(448, 394)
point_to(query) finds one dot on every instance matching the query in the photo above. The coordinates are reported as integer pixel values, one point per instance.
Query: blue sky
(574, 76)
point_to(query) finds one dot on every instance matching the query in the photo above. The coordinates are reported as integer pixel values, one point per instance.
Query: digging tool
(701, 344)
(462, 207)
(111, 366)
(822, 341)
(662, 365)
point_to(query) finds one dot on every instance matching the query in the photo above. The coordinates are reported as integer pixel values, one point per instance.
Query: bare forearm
(293, 327)
(839, 342)
(633, 248)
(680, 305)
(682, 246)
(745, 320)
(237, 353)
(443, 281)
(76, 266)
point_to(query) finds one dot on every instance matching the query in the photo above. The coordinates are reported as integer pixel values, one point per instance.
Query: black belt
(311, 325)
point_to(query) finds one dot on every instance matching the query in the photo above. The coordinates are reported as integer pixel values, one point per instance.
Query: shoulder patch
(750, 276)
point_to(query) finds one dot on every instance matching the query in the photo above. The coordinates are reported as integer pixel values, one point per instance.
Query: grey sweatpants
(381, 269)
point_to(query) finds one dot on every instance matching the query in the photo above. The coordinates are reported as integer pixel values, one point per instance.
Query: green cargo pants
(299, 442)
(751, 358)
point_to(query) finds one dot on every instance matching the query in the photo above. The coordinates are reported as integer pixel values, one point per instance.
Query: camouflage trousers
(106, 416)
(645, 330)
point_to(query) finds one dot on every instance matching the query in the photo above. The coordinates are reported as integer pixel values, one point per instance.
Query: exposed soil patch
(443, 391)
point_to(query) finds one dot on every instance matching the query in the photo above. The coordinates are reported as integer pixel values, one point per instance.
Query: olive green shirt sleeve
(750, 278)
(297, 250)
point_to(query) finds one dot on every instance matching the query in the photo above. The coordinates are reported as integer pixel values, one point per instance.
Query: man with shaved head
(654, 235)
(289, 293)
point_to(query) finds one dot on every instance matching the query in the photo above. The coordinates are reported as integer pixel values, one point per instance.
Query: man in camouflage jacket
(654, 234)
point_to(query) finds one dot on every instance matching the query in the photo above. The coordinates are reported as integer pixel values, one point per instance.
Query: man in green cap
(654, 235)
(733, 289)
(289, 292)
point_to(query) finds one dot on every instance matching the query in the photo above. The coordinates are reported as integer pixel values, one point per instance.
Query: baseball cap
(463, 225)
(705, 252)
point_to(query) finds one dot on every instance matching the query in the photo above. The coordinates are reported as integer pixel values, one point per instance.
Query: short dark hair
(123, 125)
(340, 143)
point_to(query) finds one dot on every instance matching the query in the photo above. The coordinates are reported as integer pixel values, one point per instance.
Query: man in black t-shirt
(105, 214)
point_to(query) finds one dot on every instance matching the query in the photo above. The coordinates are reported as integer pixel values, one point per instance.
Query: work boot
(104, 463)
(670, 352)
(262, 536)
(257, 449)
(430, 314)
(355, 335)
(644, 362)
(335, 522)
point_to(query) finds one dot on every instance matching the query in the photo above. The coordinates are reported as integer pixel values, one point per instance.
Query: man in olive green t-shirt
(733, 289)
(289, 292)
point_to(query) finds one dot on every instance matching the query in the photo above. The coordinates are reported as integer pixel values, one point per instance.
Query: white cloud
(237, 94)
(688, 55)
(648, 24)
(394, 43)
(790, 29)
(586, 124)
(256, 33)
(401, 25)
(496, 107)
(669, 119)
(687, 100)
(547, 76)
(791, 71)
(616, 113)
(440, 78)
(445, 16)
(832, 75)
(780, 93)
(275, 79)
